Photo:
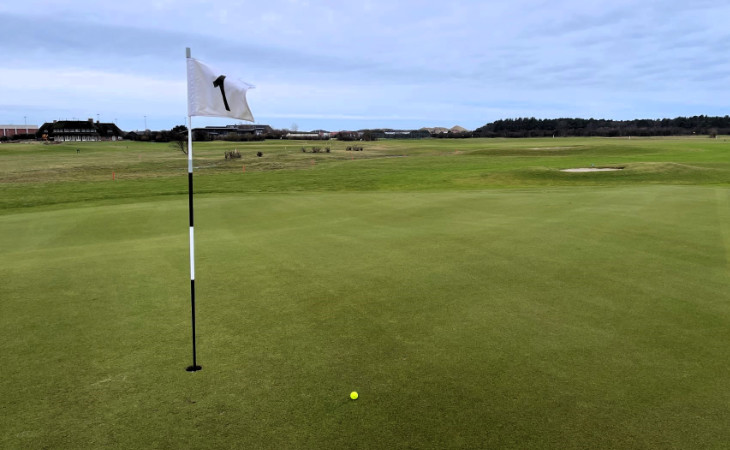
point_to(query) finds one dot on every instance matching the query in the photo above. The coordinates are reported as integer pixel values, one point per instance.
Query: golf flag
(212, 93)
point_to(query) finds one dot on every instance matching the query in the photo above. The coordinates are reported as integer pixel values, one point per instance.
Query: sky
(339, 65)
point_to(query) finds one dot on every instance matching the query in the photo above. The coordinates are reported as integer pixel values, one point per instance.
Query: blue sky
(368, 64)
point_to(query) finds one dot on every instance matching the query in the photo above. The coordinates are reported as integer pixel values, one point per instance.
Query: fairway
(473, 295)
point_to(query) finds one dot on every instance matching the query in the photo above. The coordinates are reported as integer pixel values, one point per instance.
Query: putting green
(563, 317)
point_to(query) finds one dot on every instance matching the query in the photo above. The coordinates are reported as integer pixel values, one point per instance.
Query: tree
(368, 135)
(179, 138)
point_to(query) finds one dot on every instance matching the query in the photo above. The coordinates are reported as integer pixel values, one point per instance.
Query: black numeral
(219, 83)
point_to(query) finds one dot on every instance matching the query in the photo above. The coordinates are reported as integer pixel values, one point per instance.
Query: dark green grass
(554, 314)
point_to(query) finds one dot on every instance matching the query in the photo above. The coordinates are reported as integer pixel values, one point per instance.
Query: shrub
(232, 154)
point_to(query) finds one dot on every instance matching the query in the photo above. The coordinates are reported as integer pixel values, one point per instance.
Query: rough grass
(36, 174)
(474, 299)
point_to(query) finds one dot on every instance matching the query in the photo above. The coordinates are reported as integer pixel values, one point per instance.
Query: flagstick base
(193, 368)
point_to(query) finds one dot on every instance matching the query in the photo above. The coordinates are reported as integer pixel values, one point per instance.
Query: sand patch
(593, 169)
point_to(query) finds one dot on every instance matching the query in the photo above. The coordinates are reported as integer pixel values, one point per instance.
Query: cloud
(465, 62)
(85, 86)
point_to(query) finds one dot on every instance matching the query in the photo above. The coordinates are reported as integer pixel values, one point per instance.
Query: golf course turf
(473, 295)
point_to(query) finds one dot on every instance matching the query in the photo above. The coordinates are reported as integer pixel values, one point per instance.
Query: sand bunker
(593, 169)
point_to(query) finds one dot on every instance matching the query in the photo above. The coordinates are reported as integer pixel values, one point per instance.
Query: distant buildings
(403, 134)
(78, 131)
(232, 131)
(308, 136)
(91, 131)
(10, 131)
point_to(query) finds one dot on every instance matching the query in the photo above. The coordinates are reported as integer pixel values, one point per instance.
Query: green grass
(479, 299)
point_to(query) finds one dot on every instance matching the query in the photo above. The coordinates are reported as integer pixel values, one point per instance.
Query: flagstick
(204, 85)
(195, 366)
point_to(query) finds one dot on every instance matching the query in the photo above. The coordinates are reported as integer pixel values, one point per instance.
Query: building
(79, 131)
(313, 135)
(404, 134)
(10, 131)
(233, 131)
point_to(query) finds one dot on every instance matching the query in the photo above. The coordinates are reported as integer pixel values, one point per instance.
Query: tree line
(510, 128)
(532, 127)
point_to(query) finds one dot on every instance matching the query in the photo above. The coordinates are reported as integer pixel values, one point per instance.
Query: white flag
(215, 94)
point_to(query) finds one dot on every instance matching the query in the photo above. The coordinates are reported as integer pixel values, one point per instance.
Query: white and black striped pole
(195, 366)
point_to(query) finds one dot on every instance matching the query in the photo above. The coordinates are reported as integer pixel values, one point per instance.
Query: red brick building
(10, 131)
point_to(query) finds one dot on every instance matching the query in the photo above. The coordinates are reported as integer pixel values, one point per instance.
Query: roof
(104, 129)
